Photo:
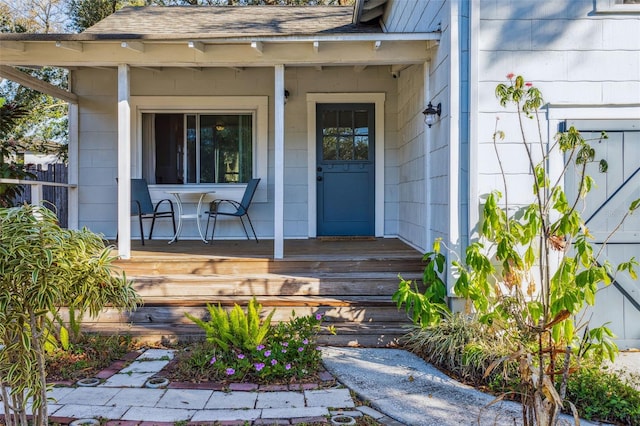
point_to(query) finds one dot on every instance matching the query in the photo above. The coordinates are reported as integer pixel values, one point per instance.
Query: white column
(453, 111)
(124, 163)
(278, 215)
(426, 68)
(74, 167)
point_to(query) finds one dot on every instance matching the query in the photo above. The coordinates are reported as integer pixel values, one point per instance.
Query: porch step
(366, 335)
(350, 283)
(311, 284)
(235, 265)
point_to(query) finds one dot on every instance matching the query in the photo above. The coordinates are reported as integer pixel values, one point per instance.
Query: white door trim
(374, 98)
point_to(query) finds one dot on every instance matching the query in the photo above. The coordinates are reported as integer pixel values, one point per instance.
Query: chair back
(140, 193)
(249, 192)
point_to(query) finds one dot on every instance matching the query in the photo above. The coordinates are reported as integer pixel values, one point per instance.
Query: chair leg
(206, 229)
(153, 222)
(141, 229)
(254, 231)
(244, 227)
(213, 228)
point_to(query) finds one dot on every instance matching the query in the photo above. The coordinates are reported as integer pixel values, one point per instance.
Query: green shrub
(289, 350)
(605, 396)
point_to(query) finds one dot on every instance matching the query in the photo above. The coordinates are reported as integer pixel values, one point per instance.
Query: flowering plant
(289, 350)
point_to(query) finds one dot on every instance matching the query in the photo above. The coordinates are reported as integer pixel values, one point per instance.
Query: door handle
(319, 178)
(319, 169)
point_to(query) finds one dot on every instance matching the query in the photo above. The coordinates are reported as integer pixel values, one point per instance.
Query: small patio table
(178, 194)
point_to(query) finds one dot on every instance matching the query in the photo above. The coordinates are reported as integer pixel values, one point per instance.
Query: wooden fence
(56, 197)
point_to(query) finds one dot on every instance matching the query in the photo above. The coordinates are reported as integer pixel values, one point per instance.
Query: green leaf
(603, 166)
(64, 338)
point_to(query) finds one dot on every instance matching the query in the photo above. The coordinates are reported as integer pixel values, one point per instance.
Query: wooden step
(338, 313)
(212, 266)
(379, 335)
(315, 284)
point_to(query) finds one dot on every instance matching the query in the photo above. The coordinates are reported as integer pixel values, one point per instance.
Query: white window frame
(258, 106)
(615, 6)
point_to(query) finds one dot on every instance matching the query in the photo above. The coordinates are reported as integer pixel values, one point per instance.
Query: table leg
(199, 209)
(179, 228)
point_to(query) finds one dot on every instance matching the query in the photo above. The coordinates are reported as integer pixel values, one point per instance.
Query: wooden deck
(349, 281)
(329, 248)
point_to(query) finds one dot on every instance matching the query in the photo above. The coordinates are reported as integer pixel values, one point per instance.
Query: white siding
(413, 16)
(97, 90)
(422, 216)
(410, 157)
(575, 56)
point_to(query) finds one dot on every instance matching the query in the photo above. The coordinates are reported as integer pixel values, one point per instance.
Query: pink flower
(319, 317)
(213, 360)
(528, 84)
(300, 349)
(305, 342)
(240, 356)
(230, 371)
(284, 351)
(287, 367)
(274, 361)
(260, 347)
(267, 353)
(259, 366)
(510, 75)
(285, 344)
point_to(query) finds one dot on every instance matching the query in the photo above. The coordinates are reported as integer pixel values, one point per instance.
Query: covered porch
(120, 73)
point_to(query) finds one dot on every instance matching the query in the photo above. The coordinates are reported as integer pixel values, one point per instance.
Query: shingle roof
(230, 21)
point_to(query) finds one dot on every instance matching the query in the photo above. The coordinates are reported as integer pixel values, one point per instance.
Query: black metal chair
(237, 209)
(142, 206)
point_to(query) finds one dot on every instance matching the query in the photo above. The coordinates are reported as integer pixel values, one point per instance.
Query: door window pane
(345, 135)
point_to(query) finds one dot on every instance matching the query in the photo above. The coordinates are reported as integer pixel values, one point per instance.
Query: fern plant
(235, 329)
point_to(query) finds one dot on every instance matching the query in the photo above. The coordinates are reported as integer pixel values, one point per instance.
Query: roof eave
(209, 38)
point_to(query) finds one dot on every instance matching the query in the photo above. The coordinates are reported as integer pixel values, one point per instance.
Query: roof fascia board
(207, 38)
(227, 55)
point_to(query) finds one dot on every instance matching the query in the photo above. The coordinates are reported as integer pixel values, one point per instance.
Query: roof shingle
(231, 21)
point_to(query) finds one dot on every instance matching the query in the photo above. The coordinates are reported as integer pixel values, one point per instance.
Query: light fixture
(286, 95)
(430, 113)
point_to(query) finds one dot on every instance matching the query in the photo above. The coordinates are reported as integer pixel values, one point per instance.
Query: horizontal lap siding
(97, 90)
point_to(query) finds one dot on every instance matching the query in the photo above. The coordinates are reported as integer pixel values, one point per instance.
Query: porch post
(278, 214)
(72, 177)
(124, 163)
(427, 158)
(74, 166)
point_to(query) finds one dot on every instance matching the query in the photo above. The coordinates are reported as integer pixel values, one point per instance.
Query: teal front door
(345, 170)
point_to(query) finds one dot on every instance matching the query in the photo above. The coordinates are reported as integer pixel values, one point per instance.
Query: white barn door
(619, 304)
